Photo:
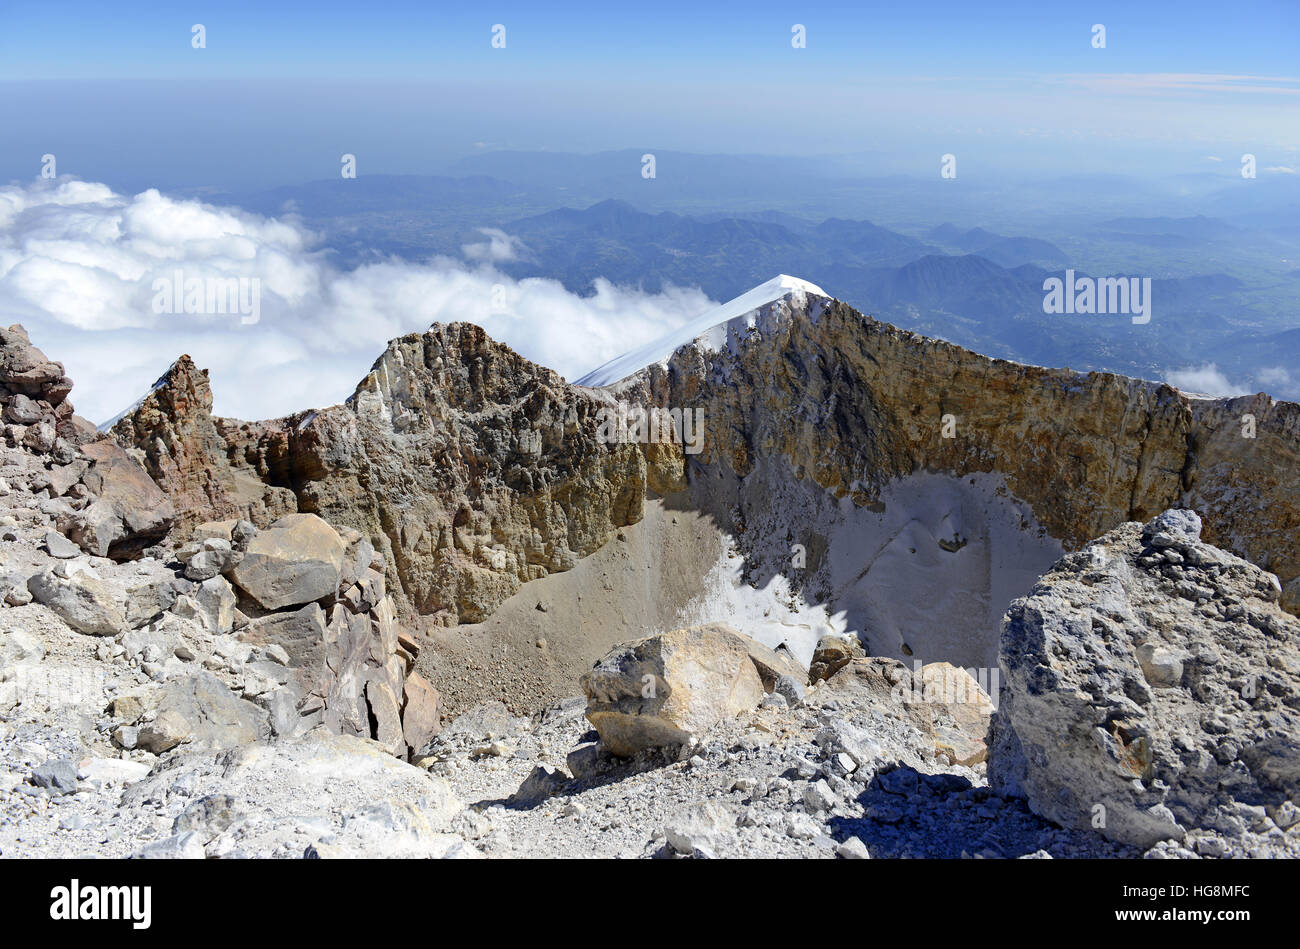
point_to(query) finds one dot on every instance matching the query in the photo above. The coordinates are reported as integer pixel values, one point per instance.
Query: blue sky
(282, 88)
(692, 40)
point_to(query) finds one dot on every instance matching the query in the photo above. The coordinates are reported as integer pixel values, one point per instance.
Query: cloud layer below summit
(101, 282)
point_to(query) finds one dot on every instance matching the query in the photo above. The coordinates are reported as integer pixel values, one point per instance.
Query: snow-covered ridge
(742, 307)
(158, 384)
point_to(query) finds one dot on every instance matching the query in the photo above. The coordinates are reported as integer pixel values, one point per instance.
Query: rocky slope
(248, 689)
(875, 760)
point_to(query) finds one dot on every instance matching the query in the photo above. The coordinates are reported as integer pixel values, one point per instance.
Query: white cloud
(498, 247)
(78, 265)
(1204, 380)
(1274, 377)
(1280, 170)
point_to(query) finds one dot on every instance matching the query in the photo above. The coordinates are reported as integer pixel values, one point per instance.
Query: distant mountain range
(975, 286)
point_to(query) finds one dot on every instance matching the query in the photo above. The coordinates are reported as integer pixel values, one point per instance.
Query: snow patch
(925, 577)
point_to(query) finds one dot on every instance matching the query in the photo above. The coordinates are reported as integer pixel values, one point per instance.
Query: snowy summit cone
(709, 328)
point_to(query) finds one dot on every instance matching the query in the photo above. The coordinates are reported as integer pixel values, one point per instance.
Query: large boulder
(1152, 687)
(202, 713)
(319, 795)
(82, 600)
(664, 690)
(129, 512)
(296, 560)
(26, 371)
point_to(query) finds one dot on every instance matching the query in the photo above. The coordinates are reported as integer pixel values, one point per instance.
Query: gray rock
(791, 689)
(208, 816)
(215, 601)
(187, 846)
(63, 477)
(487, 720)
(241, 533)
(703, 830)
(1126, 711)
(59, 546)
(19, 648)
(82, 601)
(126, 736)
(1176, 525)
(386, 714)
(542, 782)
(58, 776)
(818, 797)
(852, 849)
(23, 411)
(148, 601)
(200, 710)
(208, 563)
(587, 760)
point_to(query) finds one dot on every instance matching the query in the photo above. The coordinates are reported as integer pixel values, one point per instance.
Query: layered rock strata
(475, 470)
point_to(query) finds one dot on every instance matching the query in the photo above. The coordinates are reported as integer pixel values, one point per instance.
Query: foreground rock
(299, 558)
(80, 599)
(129, 512)
(1152, 689)
(319, 796)
(662, 691)
(946, 704)
(201, 712)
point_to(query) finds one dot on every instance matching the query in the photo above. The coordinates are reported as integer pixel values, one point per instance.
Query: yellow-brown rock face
(474, 470)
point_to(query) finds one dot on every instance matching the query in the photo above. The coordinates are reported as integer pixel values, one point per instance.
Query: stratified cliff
(853, 404)
(475, 470)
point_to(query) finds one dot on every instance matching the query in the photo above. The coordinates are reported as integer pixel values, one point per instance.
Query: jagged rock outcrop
(185, 450)
(1151, 688)
(103, 500)
(470, 468)
(474, 470)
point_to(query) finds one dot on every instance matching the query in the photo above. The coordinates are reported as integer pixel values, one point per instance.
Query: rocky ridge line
(475, 471)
